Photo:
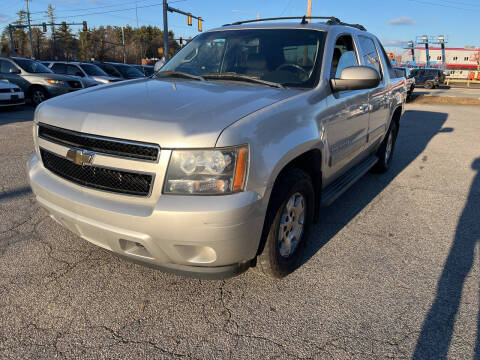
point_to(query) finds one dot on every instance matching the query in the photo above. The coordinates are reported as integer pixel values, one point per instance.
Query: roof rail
(331, 20)
(303, 18)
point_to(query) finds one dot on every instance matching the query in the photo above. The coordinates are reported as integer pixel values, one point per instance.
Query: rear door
(379, 97)
(347, 119)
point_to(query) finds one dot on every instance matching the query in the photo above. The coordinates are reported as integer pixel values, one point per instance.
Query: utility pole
(29, 29)
(165, 30)
(12, 43)
(52, 22)
(189, 16)
(124, 50)
(309, 10)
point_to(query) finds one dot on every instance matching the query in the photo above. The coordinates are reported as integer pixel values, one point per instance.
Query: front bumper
(201, 236)
(60, 90)
(6, 99)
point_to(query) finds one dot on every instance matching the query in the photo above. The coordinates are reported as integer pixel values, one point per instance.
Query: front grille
(7, 90)
(123, 148)
(75, 84)
(117, 181)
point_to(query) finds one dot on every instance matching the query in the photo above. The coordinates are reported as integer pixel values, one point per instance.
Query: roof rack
(331, 20)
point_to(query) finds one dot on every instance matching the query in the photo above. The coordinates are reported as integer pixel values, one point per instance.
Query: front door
(346, 122)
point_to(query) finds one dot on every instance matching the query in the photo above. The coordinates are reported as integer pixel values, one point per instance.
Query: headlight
(55, 82)
(207, 172)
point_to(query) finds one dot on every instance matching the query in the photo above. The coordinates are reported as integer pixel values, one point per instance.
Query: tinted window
(32, 66)
(93, 70)
(128, 71)
(74, 70)
(369, 53)
(343, 56)
(288, 57)
(148, 70)
(6, 67)
(59, 68)
(110, 70)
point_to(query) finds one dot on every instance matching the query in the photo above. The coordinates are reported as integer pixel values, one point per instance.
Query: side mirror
(14, 71)
(356, 78)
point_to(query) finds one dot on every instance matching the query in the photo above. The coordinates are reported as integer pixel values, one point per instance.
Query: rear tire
(287, 224)
(385, 152)
(428, 85)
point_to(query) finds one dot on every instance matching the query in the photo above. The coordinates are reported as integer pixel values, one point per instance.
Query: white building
(460, 61)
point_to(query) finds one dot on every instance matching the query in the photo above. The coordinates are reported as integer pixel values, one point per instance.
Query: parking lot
(392, 270)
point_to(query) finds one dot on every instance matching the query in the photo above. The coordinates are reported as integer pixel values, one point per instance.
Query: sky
(394, 22)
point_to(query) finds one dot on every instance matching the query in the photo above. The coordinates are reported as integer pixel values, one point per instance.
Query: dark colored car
(147, 70)
(429, 78)
(123, 71)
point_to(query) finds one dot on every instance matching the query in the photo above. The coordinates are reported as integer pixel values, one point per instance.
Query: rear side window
(369, 53)
(59, 68)
(343, 56)
(6, 66)
(388, 62)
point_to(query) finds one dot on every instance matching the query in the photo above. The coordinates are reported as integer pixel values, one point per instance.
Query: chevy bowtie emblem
(80, 157)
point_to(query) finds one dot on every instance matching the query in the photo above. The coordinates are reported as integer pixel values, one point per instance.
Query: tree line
(62, 43)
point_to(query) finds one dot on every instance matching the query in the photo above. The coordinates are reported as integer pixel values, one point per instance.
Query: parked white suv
(223, 159)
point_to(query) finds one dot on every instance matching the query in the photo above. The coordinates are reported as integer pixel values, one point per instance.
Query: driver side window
(344, 56)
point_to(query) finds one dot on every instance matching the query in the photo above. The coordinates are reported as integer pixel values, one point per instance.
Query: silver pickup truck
(223, 160)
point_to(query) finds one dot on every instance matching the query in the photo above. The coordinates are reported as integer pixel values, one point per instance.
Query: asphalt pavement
(391, 270)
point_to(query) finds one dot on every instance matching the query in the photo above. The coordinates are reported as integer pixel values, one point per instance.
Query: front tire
(38, 95)
(287, 225)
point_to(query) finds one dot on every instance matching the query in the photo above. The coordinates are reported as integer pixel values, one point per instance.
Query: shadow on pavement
(436, 335)
(17, 114)
(15, 193)
(417, 128)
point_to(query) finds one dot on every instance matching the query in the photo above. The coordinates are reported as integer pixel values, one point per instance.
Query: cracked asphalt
(392, 270)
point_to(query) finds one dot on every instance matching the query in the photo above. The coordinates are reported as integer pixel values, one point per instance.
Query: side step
(333, 191)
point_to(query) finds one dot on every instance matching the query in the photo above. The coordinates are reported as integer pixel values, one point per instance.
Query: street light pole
(165, 30)
(29, 29)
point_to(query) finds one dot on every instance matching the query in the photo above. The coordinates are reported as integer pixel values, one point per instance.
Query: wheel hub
(291, 225)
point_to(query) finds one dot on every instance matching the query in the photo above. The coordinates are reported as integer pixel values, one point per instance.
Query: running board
(333, 191)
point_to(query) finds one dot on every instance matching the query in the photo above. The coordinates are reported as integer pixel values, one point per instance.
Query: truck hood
(171, 113)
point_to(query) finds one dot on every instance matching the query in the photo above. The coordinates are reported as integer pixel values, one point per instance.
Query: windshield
(32, 66)
(287, 57)
(128, 71)
(93, 70)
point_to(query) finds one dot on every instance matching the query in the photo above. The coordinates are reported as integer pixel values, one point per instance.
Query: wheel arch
(311, 163)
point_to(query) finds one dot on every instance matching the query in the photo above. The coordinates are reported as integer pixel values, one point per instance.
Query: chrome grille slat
(104, 145)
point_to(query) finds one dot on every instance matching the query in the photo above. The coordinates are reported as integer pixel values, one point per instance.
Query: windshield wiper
(173, 73)
(241, 77)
